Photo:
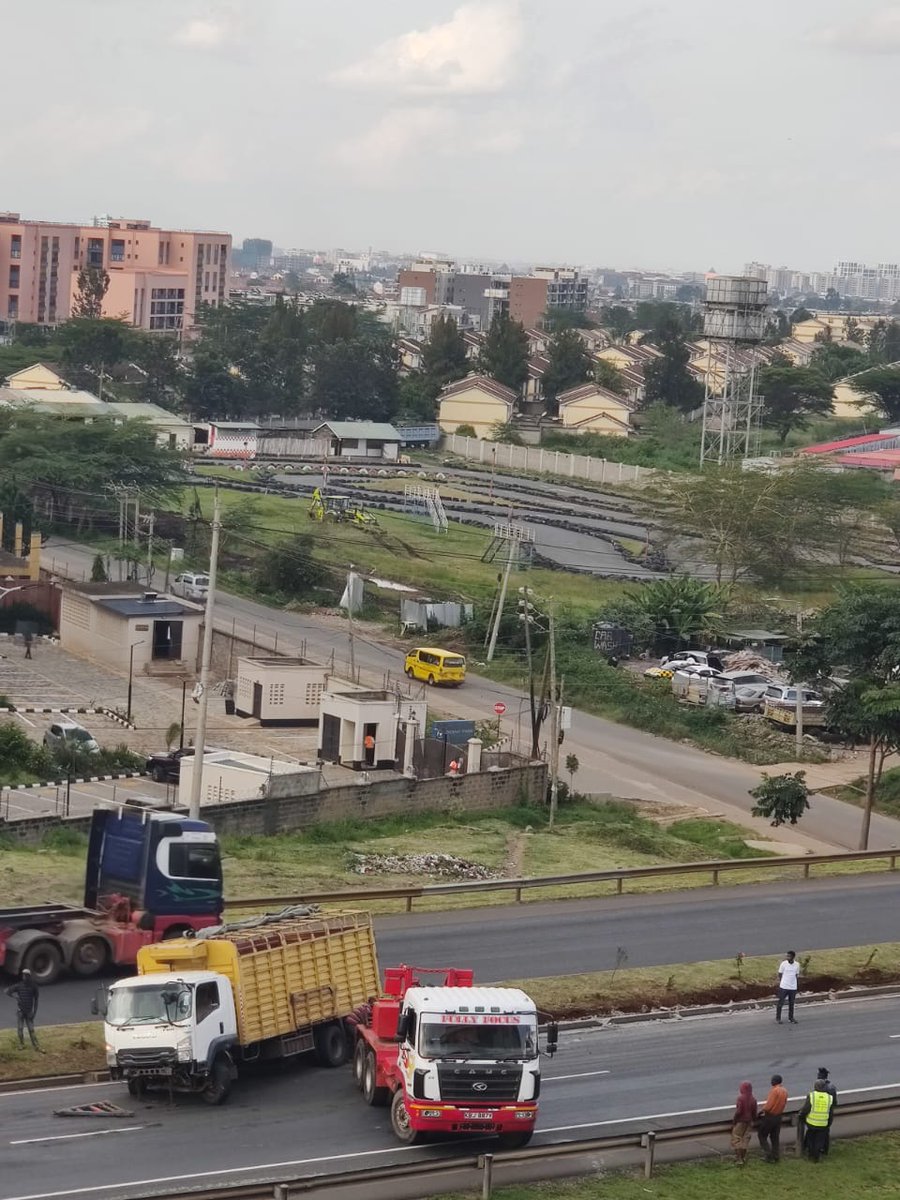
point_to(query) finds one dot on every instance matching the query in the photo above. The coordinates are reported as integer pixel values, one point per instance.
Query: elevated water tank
(735, 308)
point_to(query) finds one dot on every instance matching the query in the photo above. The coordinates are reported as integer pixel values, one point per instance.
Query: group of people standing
(814, 1119)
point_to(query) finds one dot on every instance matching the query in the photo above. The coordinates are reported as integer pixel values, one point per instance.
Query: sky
(677, 134)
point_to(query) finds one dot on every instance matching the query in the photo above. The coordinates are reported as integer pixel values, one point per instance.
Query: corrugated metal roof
(368, 430)
(149, 608)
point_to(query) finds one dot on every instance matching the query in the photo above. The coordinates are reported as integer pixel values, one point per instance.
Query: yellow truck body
(286, 975)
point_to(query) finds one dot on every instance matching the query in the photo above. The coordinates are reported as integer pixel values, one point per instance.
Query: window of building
(15, 246)
(95, 252)
(206, 281)
(12, 308)
(166, 309)
(117, 250)
(208, 253)
(14, 276)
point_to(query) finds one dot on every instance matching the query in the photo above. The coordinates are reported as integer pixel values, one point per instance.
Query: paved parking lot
(80, 799)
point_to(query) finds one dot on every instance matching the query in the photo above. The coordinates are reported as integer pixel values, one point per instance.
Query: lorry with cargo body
(149, 876)
(254, 991)
(451, 1058)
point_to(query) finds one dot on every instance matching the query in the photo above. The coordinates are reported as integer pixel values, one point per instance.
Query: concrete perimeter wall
(489, 791)
(554, 462)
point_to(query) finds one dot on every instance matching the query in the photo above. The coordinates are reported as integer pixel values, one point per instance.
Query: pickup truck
(165, 765)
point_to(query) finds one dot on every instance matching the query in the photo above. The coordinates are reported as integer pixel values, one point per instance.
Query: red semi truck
(149, 876)
(451, 1058)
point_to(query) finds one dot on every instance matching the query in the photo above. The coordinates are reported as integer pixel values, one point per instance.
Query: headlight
(183, 1049)
(110, 1055)
(524, 1116)
(430, 1112)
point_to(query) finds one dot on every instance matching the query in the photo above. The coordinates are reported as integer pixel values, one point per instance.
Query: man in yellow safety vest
(817, 1113)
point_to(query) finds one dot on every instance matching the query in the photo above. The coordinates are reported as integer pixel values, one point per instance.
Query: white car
(63, 736)
(191, 586)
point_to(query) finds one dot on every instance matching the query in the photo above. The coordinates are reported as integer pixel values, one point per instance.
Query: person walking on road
(788, 975)
(769, 1129)
(742, 1123)
(816, 1114)
(28, 639)
(832, 1091)
(25, 994)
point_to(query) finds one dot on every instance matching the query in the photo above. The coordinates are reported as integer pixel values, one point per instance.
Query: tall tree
(356, 379)
(504, 355)
(619, 320)
(800, 314)
(569, 363)
(608, 376)
(92, 347)
(682, 609)
(667, 379)
(443, 355)
(882, 385)
(834, 361)
(792, 396)
(853, 331)
(93, 284)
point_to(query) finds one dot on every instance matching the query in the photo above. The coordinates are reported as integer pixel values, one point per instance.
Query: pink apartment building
(158, 278)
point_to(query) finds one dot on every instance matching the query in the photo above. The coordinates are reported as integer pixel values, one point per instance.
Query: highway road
(304, 1120)
(574, 936)
(614, 759)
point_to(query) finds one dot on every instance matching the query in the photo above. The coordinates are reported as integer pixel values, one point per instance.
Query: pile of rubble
(440, 866)
(746, 660)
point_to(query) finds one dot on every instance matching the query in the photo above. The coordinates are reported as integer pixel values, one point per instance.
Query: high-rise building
(158, 278)
(525, 298)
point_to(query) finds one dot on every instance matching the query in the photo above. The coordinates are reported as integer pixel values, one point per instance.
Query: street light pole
(200, 734)
(131, 677)
(798, 699)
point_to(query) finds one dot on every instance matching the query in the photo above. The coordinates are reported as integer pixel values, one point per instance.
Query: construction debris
(746, 660)
(441, 866)
(100, 1108)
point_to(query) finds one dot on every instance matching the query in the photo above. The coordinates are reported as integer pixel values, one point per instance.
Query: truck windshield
(437, 1040)
(166, 1004)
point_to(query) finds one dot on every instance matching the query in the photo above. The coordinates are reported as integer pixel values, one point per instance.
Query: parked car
(165, 765)
(780, 705)
(749, 688)
(685, 658)
(65, 736)
(191, 586)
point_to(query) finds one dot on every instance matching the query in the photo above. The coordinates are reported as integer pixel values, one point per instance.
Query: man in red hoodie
(742, 1123)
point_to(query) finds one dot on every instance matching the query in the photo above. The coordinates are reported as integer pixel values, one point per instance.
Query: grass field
(863, 1168)
(887, 794)
(66, 1049)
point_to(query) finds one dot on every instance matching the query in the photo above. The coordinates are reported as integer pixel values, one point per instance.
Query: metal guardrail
(481, 1167)
(620, 877)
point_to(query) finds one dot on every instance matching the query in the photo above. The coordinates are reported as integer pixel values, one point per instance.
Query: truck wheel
(410, 673)
(514, 1141)
(359, 1063)
(44, 960)
(400, 1122)
(331, 1044)
(374, 1095)
(158, 775)
(218, 1086)
(137, 1088)
(431, 681)
(89, 956)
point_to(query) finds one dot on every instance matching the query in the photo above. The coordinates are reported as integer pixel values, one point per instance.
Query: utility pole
(798, 689)
(351, 629)
(554, 724)
(150, 522)
(525, 593)
(200, 735)
(502, 599)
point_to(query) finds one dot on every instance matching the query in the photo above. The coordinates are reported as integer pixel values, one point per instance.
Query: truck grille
(152, 1056)
(478, 1084)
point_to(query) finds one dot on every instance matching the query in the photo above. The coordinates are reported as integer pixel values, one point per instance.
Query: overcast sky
(680, 133)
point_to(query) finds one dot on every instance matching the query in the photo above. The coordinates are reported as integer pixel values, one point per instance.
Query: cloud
(473, 53)
(878, 33)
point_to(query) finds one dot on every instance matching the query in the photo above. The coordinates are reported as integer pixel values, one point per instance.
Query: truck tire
(218, 1086)
(137, 1088)
(400, 1121)
(514, 1141)
(330, 1043)
(373, 1095)
(89, 957)
(44, 960)
(359, 1064)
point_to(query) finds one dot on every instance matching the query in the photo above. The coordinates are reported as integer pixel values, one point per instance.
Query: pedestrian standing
(769, 1130)
(788, 976)
(25, 994)
(28, 639)
(832, 1091)
(742, 1123)
(816, 1115)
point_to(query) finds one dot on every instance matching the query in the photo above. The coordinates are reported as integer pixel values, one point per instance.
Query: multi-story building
(158, 278)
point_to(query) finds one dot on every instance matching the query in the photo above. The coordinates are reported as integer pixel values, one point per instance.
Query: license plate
(478, 1116)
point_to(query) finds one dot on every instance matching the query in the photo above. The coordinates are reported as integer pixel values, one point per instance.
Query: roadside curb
(38, 1083)
(100, 711)
(24, 787)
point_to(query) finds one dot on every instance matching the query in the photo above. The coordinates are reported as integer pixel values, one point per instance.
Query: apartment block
(158, 278)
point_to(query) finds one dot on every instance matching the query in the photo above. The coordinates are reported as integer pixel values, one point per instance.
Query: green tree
(93, 284)
(343, 283)
(882, 386)
(289, 568)
(504, 355)
(778, 327)
(356, 379)
(834, 362)
(619, 320)
(800, 314)
(853, 331)
(781, 798)
(156, 356)
(443, 355)
(682, 609)
(667, 379)
(415, 398)
(292, 281)
(98, 569)
(832, 299)
(607, 375)
(792, 396)
(569, 363)
(92, 347)
(555, 320)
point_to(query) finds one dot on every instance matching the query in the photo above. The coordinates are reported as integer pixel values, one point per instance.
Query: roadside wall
(555, 462)
(488, 791)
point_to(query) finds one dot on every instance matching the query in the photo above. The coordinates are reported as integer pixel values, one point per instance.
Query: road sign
(499, 708)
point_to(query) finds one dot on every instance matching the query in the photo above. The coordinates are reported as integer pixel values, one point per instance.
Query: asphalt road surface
(303, 1120)
(574, 936)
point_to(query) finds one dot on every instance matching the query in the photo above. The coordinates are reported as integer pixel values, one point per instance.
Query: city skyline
(692, 136)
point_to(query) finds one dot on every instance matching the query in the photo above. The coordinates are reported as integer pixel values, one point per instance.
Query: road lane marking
(580, 1075)
(894, 1035)
(67, 1137)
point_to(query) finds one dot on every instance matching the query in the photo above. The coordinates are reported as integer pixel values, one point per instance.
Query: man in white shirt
(788, 974)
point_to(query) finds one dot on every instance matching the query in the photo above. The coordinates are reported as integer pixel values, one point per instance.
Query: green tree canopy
(834, 361)
(791, 396)
(607, 375)
(882, 385)
(93, 284)
(504, 355)
(443, 355)
(355, 379)
(619, 320)
(289, 569)
(569, 363)
(667, 379)
(681, 610)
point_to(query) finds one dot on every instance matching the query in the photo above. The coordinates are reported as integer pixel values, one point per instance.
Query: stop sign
(499, 708)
